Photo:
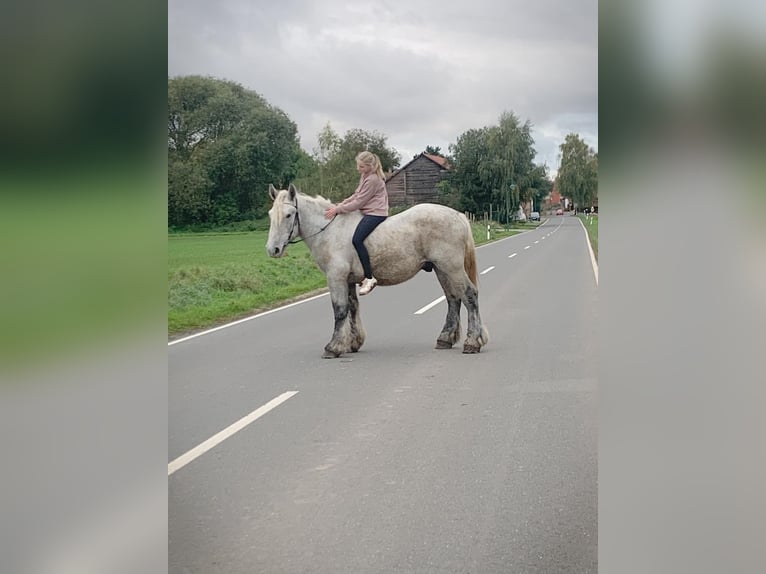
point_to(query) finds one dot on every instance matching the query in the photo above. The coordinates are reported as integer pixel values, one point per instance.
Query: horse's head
(283, 217)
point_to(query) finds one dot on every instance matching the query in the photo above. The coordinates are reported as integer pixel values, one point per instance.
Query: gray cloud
(420, 75)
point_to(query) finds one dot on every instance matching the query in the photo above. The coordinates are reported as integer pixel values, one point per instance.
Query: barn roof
(437, 159)
(442, 161)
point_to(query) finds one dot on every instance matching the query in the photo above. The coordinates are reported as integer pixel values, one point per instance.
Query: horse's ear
(272, 192)
(292, 190)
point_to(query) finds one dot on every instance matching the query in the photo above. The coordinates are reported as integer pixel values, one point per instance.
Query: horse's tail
(469, 260)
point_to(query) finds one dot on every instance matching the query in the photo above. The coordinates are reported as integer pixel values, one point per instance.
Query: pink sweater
(370, 197)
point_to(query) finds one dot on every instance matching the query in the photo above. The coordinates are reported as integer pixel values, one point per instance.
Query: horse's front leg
(355, 318)
(341, 341)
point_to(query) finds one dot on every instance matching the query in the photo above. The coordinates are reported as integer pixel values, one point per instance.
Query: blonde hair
(370, 159)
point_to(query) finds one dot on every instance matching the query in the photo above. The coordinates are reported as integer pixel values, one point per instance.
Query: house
(416, 181)
(554, 200)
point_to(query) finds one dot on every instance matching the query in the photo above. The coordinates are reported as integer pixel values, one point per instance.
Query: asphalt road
(399, 458)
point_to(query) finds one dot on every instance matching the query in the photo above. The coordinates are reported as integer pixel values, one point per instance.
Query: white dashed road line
(218, 438)
(431, 304)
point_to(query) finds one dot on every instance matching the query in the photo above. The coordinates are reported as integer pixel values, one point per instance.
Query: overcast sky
(421, 73)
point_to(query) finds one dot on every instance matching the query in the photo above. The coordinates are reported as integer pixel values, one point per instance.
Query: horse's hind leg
(477, 335)
(451, 331)
(355, 319)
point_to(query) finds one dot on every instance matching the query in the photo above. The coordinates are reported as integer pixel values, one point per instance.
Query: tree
(305, 173)
(512, 167)
(467, 179)
(336, 159)
(494, 166)
(188, 192)
(593, 178)
(433, 150)
(225, 145)
(578, 171)
(538, 186)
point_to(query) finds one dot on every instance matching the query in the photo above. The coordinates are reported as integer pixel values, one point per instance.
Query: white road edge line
(218, 438)
(487, 270)
(512, 255)
(431, 304)
(590, 250)
(246, 319)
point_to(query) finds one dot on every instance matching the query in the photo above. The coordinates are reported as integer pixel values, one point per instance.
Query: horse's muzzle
(276, 251)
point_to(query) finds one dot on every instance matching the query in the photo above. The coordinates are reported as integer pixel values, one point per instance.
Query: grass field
(215, 278)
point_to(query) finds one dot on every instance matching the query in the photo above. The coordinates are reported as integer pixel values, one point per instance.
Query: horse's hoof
(443, 345)
(471, 349)
(330, 355)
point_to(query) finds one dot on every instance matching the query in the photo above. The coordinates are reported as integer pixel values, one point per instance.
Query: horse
(425, 236)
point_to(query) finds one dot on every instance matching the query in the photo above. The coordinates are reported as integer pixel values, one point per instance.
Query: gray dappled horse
(399, 248)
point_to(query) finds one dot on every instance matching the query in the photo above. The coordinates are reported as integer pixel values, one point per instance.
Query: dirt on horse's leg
(341, 337)
(475, 335)
(450, 333)
(355, 319)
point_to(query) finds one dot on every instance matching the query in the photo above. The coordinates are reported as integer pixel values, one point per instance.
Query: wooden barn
(416, 181)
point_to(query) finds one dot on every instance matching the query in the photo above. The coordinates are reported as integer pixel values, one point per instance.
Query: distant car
(534, 216)
(559, 212)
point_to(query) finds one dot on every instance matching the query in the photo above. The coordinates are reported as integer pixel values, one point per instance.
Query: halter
(297, 222)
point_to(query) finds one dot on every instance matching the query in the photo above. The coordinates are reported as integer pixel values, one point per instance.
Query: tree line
(226, 144)
(578, 175)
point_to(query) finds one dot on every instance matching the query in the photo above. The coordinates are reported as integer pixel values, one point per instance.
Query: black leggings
(365, 227)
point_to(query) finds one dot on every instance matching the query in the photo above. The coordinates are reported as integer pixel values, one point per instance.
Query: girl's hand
(331, 212)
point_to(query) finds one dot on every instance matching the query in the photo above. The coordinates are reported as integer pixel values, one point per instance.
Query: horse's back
(421, 211)
(429, 219)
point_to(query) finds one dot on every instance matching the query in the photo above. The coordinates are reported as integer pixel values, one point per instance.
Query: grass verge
(591, 226)
(214, 278)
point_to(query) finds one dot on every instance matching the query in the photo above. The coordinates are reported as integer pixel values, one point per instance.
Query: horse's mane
(282, 199)
(324, 202)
